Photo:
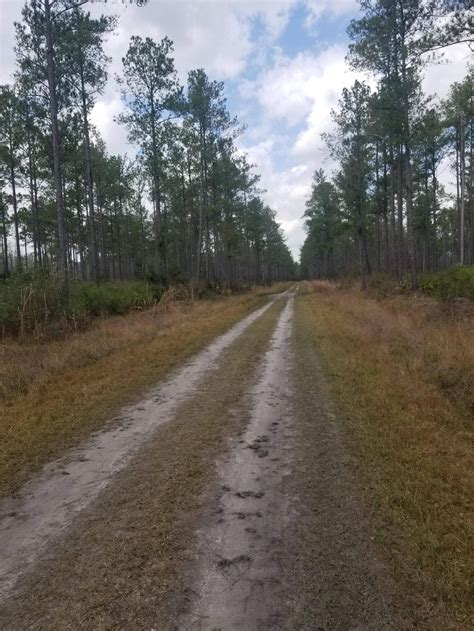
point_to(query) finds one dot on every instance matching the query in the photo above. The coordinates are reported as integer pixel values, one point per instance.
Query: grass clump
(28, 302)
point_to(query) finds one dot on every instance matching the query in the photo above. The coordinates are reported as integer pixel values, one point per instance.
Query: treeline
(186, 208)
(385, 210)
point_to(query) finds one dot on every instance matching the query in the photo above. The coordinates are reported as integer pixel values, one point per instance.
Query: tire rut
(47, 505)
(236, 577)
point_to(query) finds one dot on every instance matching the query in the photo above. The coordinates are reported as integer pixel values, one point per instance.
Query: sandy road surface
(225, 500)
(47, 505)
(237, 573)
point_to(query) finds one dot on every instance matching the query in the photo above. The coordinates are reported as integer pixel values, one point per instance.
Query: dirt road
(227, 499)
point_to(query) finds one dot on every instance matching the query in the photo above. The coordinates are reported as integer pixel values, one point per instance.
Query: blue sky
(283, 64)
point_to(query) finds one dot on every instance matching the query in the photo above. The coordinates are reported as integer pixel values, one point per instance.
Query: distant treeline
(385, 210)
(187, 208)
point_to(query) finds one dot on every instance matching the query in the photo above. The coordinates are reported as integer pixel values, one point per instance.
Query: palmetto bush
(30, 302)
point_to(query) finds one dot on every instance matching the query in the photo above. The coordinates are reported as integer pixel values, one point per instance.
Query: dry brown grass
(55, 393)
(275, 288)
(403, 373)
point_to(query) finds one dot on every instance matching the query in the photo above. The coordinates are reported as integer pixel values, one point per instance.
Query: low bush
(454, 282)
(30, 302)
(112, 297)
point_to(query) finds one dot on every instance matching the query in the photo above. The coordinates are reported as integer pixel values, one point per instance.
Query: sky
(283, 64)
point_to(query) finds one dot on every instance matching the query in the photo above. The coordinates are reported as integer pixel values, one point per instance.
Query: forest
(196, 430)
(385, 211)
(185, 208)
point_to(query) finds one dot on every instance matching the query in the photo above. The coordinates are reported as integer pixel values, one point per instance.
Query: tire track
(236, 578)
(47, 505)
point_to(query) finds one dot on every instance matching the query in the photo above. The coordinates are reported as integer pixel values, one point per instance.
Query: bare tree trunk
(471, 205)
(407, 154)
(435, 217)
(80, 234)
(393, 223)
(58, 177)
(462, 178)
(458, 195)
(426, 261)
(4, 237)
(34, 201)
(410, 228)
(94, 257)
(385, 212)
(15, 212)
(401, 244)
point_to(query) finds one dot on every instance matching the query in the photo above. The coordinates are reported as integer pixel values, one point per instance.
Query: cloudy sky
(283, 63)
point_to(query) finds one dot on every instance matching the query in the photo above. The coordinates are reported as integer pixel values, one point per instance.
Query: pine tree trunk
(5, 238)
(34, 201)
(393, 223)
(462, 199)
(401, 240)
(15, 212)
(94, 258)
(435, 217)
(410, 227)
(58, 178)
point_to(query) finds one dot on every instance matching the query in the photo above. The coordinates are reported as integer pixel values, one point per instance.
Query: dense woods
(186, 207)
(385, 210)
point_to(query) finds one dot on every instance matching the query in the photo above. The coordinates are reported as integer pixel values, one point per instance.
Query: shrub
(454, 282)
(30, 302)
(112, 297)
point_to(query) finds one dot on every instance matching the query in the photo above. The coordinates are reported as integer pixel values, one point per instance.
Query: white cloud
(214, 35)
(286, 189)
(103, 118)
(303, 86)
(10, 10)
(452, 67)
(317, 8)
(301, 91)
(289, 103)
(205, 35)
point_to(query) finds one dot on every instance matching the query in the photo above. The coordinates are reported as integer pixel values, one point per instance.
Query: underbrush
(455, 282)
(402, 370)
(30, 303)
(112, 297)
(446, 285)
